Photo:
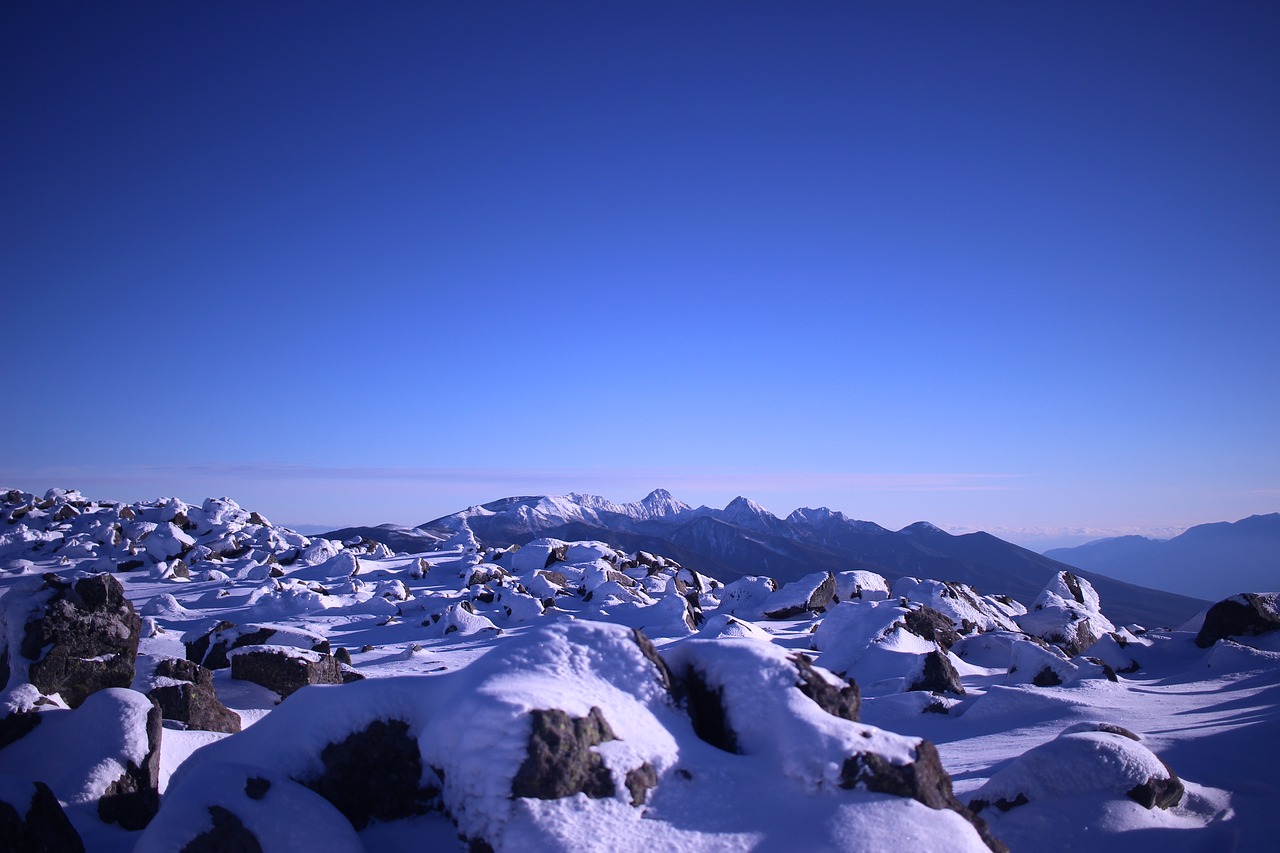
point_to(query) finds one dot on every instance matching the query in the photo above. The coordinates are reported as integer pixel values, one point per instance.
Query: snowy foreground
(569, 696)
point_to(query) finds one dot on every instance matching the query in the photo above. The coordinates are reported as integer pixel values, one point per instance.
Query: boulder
(1246, 615)
(1083, 760)
(930, 624)
(134, 797)
(560, 761)
(937, 675)
(235, 808)
(838, 697)
(1067, 613)
(106, 753)
(923, 779)
(284, 669)
(862, 585)
(184, 691)
(375, 774)
(79, 636)
(811, 594)
(211, 648)
(967, 611)
(31, 819)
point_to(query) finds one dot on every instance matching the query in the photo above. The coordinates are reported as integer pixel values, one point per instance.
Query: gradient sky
(998, 265)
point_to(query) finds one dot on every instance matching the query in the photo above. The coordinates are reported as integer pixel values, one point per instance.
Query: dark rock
(129, 565)
(16, 726)
(228, 835)
(1073, 586)
(938, 675)
(134, 798)
(84, 640)
(1107, 672)
(929, 623)
(44, 828)
(1047, 678)
(707, 711)
(923, 780)
(556, 578)
(341, 655)
(1158, 793)
(650, 651)
(557, 555)
(560, 761)
(844, 702)
(1246, 615)
(256, 788)
(194, 703)
(278, 668)
(1002, 804)
(375, 774)
(213, 648)
(640, 780)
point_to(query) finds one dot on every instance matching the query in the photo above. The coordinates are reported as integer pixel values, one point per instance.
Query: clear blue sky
(988, 264)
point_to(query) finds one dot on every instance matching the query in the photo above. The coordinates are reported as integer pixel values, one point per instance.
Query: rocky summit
(190, 677)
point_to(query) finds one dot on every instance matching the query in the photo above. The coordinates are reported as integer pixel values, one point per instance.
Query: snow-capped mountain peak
(659, 503)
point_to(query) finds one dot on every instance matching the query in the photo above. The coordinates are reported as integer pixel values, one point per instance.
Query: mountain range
(746, 539)
(1206, 561)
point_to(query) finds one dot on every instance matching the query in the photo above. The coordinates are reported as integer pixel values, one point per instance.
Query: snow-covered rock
(1095, 761)
(106, 752)
(968, 612)
(887, 646)
(861, 584)
(811, 593)
(238, 807)
(1067, 613)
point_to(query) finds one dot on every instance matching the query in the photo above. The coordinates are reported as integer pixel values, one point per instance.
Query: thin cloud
(576, 479)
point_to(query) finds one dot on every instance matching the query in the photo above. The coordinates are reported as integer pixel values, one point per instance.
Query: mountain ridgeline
(745, 539)
(1209, 561)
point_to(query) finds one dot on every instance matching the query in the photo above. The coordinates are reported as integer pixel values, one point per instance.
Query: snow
(1213, 715)
(80, 753)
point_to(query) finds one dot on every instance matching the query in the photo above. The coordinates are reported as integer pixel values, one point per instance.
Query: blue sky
(997, 265)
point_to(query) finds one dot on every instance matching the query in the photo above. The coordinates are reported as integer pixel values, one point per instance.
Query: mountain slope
(1210, 561)
(745, 539)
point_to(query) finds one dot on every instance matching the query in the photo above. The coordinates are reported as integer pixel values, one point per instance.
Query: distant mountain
(746, 539)
(1209, 561)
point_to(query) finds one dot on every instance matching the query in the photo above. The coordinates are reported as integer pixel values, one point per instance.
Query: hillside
(1209, 561)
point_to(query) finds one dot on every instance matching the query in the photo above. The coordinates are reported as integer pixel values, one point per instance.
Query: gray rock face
(560, 761)
(84, 640)
(194, 701)
(285, 670)
(375, 774)
(134, 798)
(923, 780)
(1246, 615)
(36, 823)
